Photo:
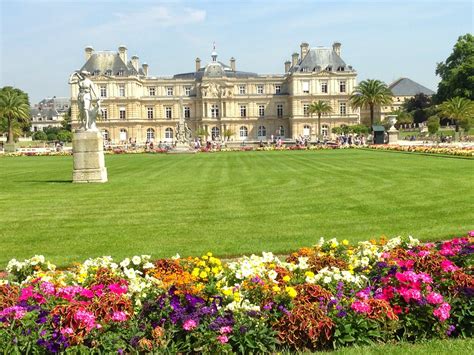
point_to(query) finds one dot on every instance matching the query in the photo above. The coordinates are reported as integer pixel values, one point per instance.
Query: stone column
(88, 155)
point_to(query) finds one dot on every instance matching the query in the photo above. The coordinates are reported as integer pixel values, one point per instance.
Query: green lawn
(229, 203)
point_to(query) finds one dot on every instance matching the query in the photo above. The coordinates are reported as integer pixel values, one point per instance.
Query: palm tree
(458, 109)
(319, 107)
(14, 108)
(370, 93)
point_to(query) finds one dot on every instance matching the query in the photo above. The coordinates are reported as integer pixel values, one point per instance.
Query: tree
(370, 93)
(14, 109)
(457, 72)
(66, 122)
(433, 124)
(228, 133)
(458, 109)
(320, 107)
(64, 136)
(40, 136)
(418, 102)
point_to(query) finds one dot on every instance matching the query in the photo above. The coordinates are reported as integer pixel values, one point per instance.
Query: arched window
(150, 134)
(281, 131)
(123, 134)
(306, 131)
(169, 133)
(325, 130)
(105, 135)
(216, 132)
(262, 131)
(244, 132)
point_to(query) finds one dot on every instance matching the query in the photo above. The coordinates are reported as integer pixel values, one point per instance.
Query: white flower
(136, 260)
(272, 274)
(267, 257)
(125, 263)
(176, 257)
(148, 265)
(327, 279)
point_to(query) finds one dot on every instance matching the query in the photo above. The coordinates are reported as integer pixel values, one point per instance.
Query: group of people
(352, 139)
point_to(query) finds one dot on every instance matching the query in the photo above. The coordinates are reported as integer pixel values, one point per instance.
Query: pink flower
(47, 288)
(69, 292)
(86, 317)
(423, 253)
(434, 298)
(189, 324)
(222, 339)
(97, 289)
(118, 289)
(442, 312)
(26, 293)
(425, 278)
(410, 293)
(448, 266)
(87, 293)
(17, 312)
(361, 307)
(471, 233)
(119, 316)
(67, 330)
(225, 330)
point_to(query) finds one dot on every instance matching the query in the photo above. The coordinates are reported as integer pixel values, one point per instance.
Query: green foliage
(320, 107)
(228, 133)
(370, 93)
(52, 136)
(458, 109)
(15, 110)
(66, 122)
(201, 132)
(457, 72)
(433, 124)
(356, 129)
(64, 136)
(39, 136)
(419, 102)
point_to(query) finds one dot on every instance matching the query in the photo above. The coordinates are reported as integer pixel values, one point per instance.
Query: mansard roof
(222, 70)
(321, 58)
(109, 63)
(408, 87)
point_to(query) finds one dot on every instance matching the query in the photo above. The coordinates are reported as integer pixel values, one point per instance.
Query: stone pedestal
(392, 136)
(181, 148)
(88, 154)
(9, 147)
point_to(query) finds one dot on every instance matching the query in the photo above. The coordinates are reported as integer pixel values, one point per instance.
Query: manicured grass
(432, 347)
(228, 203)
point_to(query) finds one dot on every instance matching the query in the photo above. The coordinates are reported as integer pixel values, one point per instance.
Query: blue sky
(43, 41)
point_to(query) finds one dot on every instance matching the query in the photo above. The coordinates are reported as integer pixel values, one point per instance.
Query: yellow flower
(203, 275)
(276, 288)
(209, 254)
(345, 242)
(227, 292)
(309, 273)
(215, 270)
(350, 252)
(237, 297)
(205, 257)
(286, 278)
(291, 292)
(202, 263)
(208, 269)
(333, 245)
(195, 272)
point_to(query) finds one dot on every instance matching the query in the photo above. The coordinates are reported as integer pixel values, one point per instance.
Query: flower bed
(328, 296)
(457, 151)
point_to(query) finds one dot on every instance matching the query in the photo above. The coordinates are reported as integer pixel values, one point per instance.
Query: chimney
(294, 59)
(123, 53)
(232, 63)
(336, 47)
(198, 64)
(135, 62)
(145, 69)
(304, 49)
(287, 66)
(89, 50)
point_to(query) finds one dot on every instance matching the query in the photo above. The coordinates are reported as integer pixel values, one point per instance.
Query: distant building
(402, 89)
(49, 112)
(217, 97)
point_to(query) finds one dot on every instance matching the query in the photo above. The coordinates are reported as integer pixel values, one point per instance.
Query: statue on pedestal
(88, 101)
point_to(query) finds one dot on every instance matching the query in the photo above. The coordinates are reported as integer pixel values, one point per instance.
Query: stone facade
(217, 98)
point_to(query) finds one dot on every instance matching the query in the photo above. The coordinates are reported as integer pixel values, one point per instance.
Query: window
(108, 72)
(103, 91)
(105, 135)
(214, 111)
(242, 90)
(122, 90)
(216, 132)
(262, 131)
(104, 114)
(187, 90)
(187, 112)
(342, 86)
(277, 89)
(169, 133)
(324, 87)
(120, 72)
(260, 89)
(123, 134)
(305, 85)
(150, 113)
(261, 110)
(342, 108)
(306, 131)
(169, 91)
(281, 131)
(150, 135)
(325, 130)
(243, 111)
(151, 91)
(168, 113)
(280, 110)
(122, 113)
(244, 132)
(306, 109)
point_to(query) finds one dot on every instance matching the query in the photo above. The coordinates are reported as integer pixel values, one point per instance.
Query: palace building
(216, 100)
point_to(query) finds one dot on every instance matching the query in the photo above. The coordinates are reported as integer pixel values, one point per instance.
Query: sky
(42, 42)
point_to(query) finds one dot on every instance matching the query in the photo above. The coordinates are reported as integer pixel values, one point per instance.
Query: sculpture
(88, 101)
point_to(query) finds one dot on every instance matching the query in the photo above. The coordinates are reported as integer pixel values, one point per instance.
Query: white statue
(88, 101)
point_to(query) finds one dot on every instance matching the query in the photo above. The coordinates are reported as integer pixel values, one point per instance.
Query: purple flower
(342, 314)
(451, 329)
